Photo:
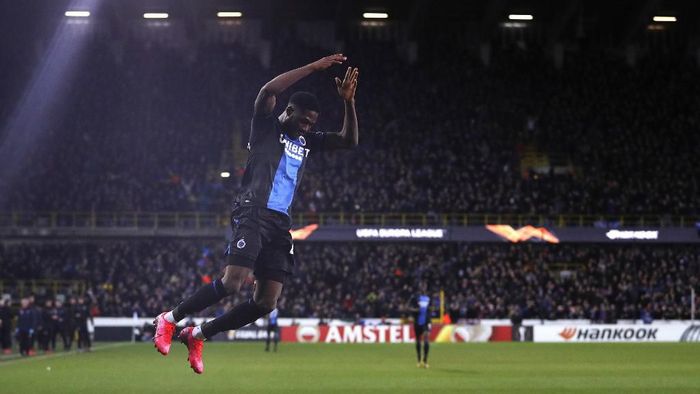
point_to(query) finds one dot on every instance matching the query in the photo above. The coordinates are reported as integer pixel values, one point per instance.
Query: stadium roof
(621, 19)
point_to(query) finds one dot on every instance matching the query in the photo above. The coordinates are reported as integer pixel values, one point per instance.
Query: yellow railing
(465, 219)
(202, 220)
(136, 220)
(25, 287)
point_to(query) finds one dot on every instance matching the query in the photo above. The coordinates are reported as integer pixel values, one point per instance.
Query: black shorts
(261, 241)
(420, 329)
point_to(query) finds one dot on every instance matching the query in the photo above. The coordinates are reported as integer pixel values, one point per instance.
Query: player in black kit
(273, 330)
(279, 147)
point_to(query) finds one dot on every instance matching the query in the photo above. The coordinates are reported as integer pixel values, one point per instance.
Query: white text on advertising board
(414, 233)
(620, 234)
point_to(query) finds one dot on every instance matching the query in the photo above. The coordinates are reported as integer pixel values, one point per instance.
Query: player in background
(419, 305)
(26, 326)
(46, 328)
(6, 317)
(81, 313)
(273, 329)
(279, 147)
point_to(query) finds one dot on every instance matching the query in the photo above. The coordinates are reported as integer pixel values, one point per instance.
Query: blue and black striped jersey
(422, 304)
(275, 164)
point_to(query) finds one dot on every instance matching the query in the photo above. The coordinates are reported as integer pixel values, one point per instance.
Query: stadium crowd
(353, 281)
(154, 135)
(38, 325)
(149, 127)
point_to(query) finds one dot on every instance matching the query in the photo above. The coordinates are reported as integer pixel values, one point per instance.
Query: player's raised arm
(348, 136)
(267, 97)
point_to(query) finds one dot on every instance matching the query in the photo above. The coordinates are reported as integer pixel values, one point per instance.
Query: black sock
(426, 347)
(204, 296)
(418, 350)
(239, 316)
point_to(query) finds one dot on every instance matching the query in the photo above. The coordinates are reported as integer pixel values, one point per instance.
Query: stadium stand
(519, 136)
(358, 280)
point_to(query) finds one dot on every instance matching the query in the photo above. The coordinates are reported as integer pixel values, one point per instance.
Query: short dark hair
(305, 101)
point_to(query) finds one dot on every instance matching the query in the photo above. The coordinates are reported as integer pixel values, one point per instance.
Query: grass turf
(245, 367)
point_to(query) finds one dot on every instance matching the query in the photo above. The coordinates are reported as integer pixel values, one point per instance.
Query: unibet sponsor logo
(292, 150)
(610, 334)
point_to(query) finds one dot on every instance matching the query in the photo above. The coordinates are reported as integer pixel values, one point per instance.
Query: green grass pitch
(245, 367)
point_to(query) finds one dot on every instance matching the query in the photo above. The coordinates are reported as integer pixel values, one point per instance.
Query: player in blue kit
(279, 147)
(420, 306)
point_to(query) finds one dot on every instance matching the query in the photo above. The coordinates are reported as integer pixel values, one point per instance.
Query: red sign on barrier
(393, 334)
(348, 334)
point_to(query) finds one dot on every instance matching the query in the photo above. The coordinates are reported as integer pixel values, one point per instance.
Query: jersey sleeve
(260, 128)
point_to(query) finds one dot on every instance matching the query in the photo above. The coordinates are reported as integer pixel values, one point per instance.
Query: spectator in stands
(6, 317)
(26, 326)
(598, 282)
(595, 140)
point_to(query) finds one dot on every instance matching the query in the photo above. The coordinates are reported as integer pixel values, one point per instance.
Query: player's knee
(232, 283)
(265, 304)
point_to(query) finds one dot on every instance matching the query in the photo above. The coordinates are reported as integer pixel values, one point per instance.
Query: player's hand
(347, 87)
(325, 62)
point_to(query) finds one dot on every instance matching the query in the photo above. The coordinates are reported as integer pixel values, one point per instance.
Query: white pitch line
(19, 359)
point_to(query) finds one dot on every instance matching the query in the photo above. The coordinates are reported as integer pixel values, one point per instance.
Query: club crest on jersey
(240, 244)
(292, 150)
